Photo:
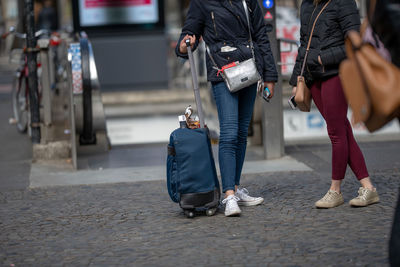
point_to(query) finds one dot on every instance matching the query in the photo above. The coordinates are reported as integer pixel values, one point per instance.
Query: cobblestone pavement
(136, 224)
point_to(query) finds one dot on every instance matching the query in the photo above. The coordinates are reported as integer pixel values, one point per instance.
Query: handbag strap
(310, 37)
(248, 24)
(212, 58)
(372, 6)
(250, 38)
(366, 23)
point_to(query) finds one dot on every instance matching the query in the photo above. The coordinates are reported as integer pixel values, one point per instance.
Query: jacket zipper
(215, 26)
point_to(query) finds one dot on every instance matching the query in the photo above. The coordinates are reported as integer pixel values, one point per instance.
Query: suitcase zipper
(215, 26)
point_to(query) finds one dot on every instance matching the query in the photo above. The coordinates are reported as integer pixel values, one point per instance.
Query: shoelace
(243, 191)
(329, 196)
(225, 200)
(362, 193)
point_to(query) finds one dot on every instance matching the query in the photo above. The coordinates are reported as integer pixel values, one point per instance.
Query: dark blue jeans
(234, 114)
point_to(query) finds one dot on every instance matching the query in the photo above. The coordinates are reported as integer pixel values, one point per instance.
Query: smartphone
(292, 103)
(266, 93)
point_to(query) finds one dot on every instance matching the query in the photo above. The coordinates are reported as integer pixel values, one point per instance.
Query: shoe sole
(328, 206)
(373, 201)
(248, 204)
(234, 214)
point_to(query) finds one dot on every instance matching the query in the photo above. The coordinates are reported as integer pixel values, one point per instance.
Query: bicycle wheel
(20, 103)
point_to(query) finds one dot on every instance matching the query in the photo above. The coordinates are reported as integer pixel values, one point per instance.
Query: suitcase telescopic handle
(195, 84)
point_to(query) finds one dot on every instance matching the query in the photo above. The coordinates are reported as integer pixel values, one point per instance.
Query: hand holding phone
(266, 94)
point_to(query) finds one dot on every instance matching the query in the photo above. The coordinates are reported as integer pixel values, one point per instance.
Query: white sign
(310, 125)
(111, 12)
(74, 54)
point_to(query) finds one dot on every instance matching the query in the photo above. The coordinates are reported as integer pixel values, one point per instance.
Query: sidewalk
(136, 224)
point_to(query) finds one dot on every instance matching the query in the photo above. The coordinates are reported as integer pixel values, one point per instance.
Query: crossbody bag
(238, 75)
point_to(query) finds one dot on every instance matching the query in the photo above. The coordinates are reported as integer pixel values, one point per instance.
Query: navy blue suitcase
(191, 175)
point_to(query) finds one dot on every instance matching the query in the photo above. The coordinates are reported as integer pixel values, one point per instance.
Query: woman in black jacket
(224, 28)
(321, 74)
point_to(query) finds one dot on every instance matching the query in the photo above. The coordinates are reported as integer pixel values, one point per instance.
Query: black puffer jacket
(223, 23)
(327, 41)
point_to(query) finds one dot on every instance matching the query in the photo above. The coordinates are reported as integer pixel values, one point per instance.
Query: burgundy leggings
(330, 100)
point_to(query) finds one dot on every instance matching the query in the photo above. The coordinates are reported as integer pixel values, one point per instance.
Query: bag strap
(212, 58)
(310, 37)
(372, 6)
(250, 38)
(368, 18)
(248, 24)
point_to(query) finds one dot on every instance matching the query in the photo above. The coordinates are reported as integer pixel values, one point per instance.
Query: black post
(32, 68)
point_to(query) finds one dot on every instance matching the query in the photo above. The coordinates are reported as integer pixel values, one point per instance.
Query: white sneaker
(246, 200)
(231, 206)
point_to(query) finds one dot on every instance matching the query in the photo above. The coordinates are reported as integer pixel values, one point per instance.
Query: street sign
(268, 16)
(268, 3)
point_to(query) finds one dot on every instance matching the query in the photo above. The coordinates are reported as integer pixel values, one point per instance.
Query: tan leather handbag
(303, 93)
(370, 83)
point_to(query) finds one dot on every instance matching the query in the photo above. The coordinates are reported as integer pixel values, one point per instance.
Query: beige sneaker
(365, 197)
(330, 200)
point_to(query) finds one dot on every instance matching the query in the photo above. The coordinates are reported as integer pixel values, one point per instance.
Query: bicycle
(20, 85)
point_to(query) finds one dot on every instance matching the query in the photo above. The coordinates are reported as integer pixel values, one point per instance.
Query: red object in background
(288, 51)
(268, 16)
(55, 39)
(116, 3)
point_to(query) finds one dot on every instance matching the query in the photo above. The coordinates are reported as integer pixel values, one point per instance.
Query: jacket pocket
(313, 66)
(236, 52)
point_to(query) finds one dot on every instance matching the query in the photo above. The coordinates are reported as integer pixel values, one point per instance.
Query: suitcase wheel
(189, 213)
(211, 212)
